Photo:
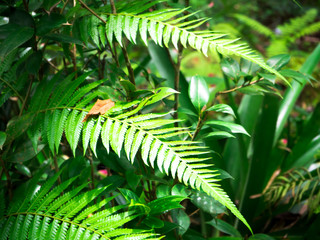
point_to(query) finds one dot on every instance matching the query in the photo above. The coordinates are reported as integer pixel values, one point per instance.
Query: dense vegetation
(119, 119)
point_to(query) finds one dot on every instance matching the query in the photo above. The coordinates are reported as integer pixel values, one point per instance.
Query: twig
(90, 10)
(129, 67)
(27, 96)
(239, 87)
(25, 4)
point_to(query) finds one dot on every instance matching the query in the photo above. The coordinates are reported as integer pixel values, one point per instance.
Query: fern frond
(162, 26)
(296, 24)
(295, 186)
(161, 144)
(50, 215)
(253, 24)
(308, 30)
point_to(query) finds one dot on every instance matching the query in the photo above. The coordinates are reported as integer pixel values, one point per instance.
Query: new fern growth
(51, 212)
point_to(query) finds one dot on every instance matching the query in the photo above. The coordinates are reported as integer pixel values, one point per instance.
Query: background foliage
(191, 105)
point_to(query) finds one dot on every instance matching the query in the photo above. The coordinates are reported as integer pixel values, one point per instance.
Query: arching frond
(296, 24)
(165, 26)
(295, 186)
(120, 128)
(51, 213)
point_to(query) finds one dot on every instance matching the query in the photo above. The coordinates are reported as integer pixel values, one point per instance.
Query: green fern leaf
(61, 125)
(86, 134)
(95, 135)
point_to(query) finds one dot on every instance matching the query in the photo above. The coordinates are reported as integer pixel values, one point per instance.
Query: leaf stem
(27, 96)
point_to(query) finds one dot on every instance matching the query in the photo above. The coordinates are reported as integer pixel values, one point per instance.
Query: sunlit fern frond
(51, 212)
(297, 24)
(308, 30)
(253, 24)
(295, 186)
(170, 25)
(149, 136)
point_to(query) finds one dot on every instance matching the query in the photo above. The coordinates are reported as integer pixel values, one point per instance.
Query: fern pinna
(51, 212)
(121, 128)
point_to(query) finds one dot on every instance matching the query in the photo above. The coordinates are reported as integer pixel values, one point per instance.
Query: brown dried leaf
(99, 108)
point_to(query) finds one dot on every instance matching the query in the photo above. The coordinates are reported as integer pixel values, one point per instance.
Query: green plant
(284, 35)
(48, 212)
(64, 56)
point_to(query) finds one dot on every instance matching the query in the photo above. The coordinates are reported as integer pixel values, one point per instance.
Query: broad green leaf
(224, 108)
(224, 227)
(23, 169)
(62, 38)
(3, 137)
(164, 204)
(227, 126)
(278, 61)
(231, 68)
(207, 203)
(33, 62)
(49, 22)
(15, 40)
(219, 135)
(198, 92)
(261, 236)
(182, 219)
(160, 94)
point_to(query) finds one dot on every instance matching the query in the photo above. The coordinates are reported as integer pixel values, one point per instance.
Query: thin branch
(27, 96)
(239, 87)
(129, 67)
(90, 10)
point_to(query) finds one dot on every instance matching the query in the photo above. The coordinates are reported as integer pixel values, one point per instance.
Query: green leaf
(33, 62)
(3, 137)
(49, 22)
(224, 227)
(62, 38)
(182, 219)
(15, 40)
(261, 236)
(219, 135)
(227, 126)
(224, 108)
(207, 203)
(198, 92)
(23, 169)
(278, 61)
(231, 68)
(164, 204)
